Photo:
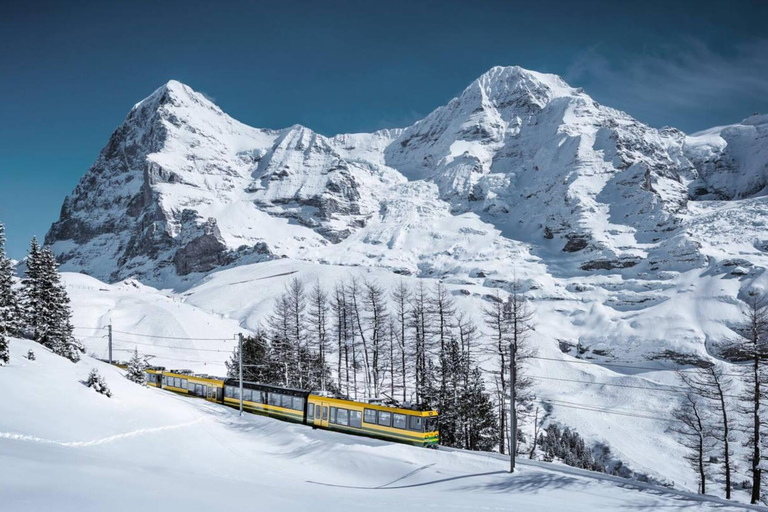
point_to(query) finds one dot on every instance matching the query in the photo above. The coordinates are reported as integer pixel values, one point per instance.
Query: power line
(156, 336)
(668, 389)
(591, 408)
(620, 365)
(129, 342)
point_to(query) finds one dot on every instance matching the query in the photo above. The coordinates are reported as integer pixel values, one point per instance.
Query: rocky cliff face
(182, 188)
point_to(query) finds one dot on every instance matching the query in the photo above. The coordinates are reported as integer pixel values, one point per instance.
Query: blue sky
(70, 71)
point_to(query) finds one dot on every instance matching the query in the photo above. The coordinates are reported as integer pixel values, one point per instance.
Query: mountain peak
(500, 82)
(175, 93)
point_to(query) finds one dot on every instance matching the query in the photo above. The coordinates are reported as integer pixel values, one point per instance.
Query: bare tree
(421, 322)
(496, 323)
(318, 300)
(401, 296)
(444, 308)
(354, 300)
(712, 385)
(691, 427)
(754, 347)
(519, 319)
(375, 307)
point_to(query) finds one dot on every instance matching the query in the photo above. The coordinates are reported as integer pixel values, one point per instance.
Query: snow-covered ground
(64, 447)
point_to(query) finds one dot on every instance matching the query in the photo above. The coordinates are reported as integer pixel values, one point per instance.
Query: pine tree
(46, 305)
(10, 310)
(5, 355)
(135, 370)
(97, 383)
(479, 414)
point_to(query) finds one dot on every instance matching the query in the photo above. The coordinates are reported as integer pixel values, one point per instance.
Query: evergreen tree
(479, 413)
(135, 370)
(259, 362)
(5, 355)
(46, 305)
(10, 310)
(97, 383)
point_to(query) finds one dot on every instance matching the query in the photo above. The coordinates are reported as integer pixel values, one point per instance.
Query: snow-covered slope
(732, 161)
(64, 447)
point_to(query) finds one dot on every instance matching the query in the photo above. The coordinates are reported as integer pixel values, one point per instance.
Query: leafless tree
(753, 346)
(318, 300)
(691, 427)
(712, 386)
(401, 296)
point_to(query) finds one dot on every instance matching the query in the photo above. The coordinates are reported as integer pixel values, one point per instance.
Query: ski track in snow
(95, 442)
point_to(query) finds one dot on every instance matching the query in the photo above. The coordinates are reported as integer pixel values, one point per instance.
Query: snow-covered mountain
(181, 187)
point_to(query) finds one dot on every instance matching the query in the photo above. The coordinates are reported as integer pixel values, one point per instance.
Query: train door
(321, 420)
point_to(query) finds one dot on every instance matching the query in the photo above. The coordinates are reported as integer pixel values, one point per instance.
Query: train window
(400, 420)
(416, 423)
(311, 411)
(227, 391)
(298, 403)
(325, 413)
(258, 397)
(183, 383)
(333, 415)
(355, 419)
(274, 399)
(342, 417)
(247, 394)
(236, 393)
(431, 424)
(370, 416)
(385, 419)
(287, 401)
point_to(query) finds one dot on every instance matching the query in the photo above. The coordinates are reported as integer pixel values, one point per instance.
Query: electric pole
(240, 365)
(512, 408)
(110, 342)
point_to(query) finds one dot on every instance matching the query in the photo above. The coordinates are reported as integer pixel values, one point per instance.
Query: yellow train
(302, 406)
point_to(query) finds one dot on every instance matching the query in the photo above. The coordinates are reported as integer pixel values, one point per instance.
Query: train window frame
(404, 419)
(379, 421)
(412, 420)
(358, 421)
(370, 412)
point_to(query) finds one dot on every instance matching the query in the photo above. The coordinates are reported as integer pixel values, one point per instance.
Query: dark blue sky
(70, 71)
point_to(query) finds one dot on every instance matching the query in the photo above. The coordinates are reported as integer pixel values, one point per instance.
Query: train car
(283, 403)
(203, 386)
(382, 422)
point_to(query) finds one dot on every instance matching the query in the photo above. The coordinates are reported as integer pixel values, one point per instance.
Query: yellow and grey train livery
(302, 406)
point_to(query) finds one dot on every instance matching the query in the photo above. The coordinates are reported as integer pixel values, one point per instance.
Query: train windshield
(431, 424)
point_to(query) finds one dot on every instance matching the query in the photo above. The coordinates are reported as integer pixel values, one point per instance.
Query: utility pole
(240, 365)
(512, 408)
(110, 342)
